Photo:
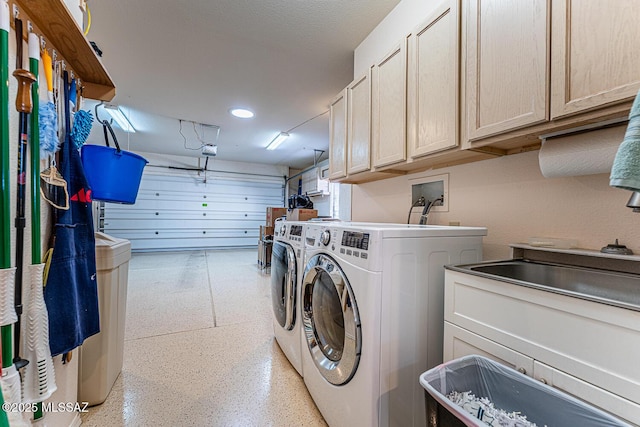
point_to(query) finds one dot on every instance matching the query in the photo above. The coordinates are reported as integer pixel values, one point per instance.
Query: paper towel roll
(585, 153)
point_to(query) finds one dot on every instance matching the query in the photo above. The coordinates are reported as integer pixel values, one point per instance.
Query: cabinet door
(338, 136)
(389, 101)
(506, 47)
(459, 342)
(359, 124)
(619, 406)
(595, 54)
(433, 108)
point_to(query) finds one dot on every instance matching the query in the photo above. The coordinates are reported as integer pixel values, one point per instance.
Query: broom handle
(34, 145)
(18, 24)
(34, 140)
(24, 106)
(5, 169)
(5, 211)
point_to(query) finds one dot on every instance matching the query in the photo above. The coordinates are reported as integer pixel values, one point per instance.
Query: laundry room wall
(508, 195)
(406, 15)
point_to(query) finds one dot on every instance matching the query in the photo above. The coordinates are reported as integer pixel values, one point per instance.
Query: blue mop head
(82, 122)
(48, 119)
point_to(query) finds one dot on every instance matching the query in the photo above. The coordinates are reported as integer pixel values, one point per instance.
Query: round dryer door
(331, 321)
(283, 284)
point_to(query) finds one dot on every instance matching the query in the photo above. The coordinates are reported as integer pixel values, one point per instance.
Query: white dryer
(287, 266)
(372, 311)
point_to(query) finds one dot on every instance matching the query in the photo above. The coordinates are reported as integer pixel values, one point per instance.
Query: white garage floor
(199, 348)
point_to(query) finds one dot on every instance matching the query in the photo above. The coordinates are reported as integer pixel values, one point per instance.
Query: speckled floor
(199, 348)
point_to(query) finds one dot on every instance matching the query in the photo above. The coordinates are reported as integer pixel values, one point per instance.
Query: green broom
(10, 380)
(7, 274)
(6, 313)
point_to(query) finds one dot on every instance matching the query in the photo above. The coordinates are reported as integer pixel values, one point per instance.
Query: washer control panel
(355, 246)
(295, 233)
(355, 239)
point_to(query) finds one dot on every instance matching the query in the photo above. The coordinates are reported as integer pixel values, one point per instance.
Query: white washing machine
(372, 312)
(287, 266)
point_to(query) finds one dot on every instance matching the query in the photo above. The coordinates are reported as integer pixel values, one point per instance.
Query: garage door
(185, 212)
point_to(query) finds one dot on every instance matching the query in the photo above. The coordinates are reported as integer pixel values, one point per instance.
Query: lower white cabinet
(586, 349)
(459, 342)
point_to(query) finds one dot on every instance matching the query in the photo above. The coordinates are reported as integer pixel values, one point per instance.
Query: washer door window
(331, 320)
(283, 284)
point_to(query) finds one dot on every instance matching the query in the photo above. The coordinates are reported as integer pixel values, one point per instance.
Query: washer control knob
(325, 237)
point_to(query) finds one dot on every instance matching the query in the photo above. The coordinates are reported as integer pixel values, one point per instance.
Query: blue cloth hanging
(71, 292)
(625, 172)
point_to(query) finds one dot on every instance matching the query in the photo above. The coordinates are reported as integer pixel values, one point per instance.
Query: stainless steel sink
(620, 289)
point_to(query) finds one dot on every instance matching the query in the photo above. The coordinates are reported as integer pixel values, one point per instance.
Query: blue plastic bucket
(114, 176)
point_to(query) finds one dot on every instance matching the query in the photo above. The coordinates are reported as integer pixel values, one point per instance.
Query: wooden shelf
(54, 21)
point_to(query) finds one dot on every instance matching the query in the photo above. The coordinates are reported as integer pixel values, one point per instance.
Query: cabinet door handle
(543, 381)
(522, 370)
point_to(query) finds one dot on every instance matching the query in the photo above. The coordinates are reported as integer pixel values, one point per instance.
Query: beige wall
(396, 25)
(514, 201)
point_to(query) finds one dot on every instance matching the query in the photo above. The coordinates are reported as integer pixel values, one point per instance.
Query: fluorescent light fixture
(242, 113)
(116, 113)
(277, 141)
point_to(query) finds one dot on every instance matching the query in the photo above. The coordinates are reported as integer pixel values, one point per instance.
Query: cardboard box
(274, 213)
(265, 232)
(299, 214)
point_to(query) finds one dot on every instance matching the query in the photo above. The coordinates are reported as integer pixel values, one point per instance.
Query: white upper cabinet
(505, 49)
(595, 54)
(359, 125)
(389, 101)
(433, 82)
(338, 136)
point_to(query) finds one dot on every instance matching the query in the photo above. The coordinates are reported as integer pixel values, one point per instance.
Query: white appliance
(372, 311)
(287, 266)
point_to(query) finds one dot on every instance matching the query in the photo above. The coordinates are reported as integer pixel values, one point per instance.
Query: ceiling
(194, 60)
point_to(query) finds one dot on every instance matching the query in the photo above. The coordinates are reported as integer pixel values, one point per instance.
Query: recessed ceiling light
(242, 113)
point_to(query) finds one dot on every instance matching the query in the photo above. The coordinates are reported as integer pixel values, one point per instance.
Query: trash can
(471, 380)
(101, 355)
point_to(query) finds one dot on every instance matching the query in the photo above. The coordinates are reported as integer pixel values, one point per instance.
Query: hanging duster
(82, 119)
(71, 292)
(48, 117)
(38, 379)
(7, 274)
